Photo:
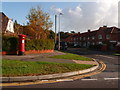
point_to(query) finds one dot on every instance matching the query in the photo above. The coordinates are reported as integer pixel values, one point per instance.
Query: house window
(74, 39)
(84, 44)
(80, 43)
(99, 36)
(88, 43)
(107, 36)
(93, 43)
(88, 38)
(84, 38)
(80, 38)
(93, 37)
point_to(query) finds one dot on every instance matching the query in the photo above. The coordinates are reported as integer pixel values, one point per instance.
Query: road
(107, 79)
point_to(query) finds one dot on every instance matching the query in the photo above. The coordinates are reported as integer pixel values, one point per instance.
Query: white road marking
(88, 79)
(64, 80)
(44, 80)
(111, 78)
(59, 80)
(105, 56)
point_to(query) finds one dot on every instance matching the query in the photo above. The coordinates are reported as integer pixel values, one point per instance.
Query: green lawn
(20, 68)
(71, 57)
(118, 54)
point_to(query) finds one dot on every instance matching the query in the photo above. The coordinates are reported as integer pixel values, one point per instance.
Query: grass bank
(27, 68)
(71, 57)
(117, 54)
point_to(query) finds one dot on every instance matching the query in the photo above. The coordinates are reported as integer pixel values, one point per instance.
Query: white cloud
(77, 12)
(56, 10)
(107, 12)
(89, 15)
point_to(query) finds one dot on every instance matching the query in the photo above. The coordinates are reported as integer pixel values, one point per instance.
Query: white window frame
(93, 43)
(100, 36)
(84, 38)
(80, 38)
(107, 36)
(88, 38)
(93, 37)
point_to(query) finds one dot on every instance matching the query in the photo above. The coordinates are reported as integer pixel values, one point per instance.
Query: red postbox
(21, 44)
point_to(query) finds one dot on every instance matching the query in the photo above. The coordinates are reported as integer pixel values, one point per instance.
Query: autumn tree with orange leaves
(38, 23)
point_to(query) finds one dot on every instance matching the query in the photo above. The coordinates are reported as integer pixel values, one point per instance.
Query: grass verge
(71, 57)
(117, 54)
(25, 68)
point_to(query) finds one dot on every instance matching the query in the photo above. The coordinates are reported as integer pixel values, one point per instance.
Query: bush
(9, 43)
(39, 44)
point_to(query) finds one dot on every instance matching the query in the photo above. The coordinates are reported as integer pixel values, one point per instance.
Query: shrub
(39, 44)
(9, 43)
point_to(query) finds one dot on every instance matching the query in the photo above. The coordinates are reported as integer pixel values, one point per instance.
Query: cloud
(56, 10)
(76, 12)
(89, 15)
(107, 12)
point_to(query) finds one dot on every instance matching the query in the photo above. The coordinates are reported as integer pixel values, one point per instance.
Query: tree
(63, 35)
(72, 32)
(51, 35)
(39, 23)
(18, 28)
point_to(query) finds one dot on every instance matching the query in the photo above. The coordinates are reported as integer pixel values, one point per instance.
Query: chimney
(88, 30)
(104, 25)
(78, 32)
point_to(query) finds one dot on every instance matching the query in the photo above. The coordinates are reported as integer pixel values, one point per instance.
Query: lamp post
(55, 28)
(59, 32)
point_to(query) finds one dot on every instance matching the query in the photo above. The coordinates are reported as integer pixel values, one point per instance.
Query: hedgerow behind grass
(39, 44)
(25, 68)
(10, 44)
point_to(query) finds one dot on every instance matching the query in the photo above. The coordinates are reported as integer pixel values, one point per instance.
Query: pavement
(44, 57)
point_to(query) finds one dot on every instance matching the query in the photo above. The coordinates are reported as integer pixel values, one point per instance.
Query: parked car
(76, 46)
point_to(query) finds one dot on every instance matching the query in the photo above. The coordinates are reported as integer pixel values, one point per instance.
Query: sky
(77, 16)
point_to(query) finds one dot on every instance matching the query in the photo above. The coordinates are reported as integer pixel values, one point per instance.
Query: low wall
(26, 52)
(38, 51)
(9, 53)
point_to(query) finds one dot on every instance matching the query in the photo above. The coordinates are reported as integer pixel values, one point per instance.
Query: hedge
(39, 44)
(11, 44)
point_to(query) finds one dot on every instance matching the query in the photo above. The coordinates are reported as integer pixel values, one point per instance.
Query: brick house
(6, 24)
(108, 36)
